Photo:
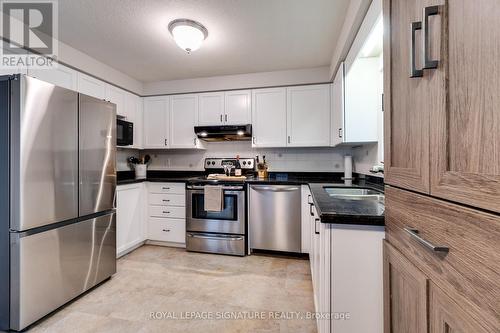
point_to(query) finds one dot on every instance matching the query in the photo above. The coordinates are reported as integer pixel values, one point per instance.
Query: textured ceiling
(245, 36)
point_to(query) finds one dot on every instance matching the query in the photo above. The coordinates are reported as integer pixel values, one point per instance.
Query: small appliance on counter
(140, 165)
(222, 230)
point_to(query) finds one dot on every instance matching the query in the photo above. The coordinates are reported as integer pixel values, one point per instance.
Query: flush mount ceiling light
(188, 34)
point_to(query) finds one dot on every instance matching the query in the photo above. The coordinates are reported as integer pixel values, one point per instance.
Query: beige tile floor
(174, 283)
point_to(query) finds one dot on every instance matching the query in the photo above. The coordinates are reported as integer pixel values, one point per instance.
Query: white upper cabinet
(91, 86)
(156, 122)
(118, 96)
(337, 136)
(308, 116)
(61, 76)
(269, 117)
(132, 111)
(211, 109)
(225, 108)
(183, 118)
(238, 109)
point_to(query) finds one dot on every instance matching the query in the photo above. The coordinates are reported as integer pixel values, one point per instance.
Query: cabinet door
(61, 76)
(183, 118)
(269, 117)
(138, 121)
(211, 109)
(465, 140)
(118, 97)
(238, 107)
(129, 217)
(156, 120)
(446, 316)
(91, 86)
(407, 100)
(324, 299)
(306, 219)
(405, 294)
(308, 116)
(337, 108)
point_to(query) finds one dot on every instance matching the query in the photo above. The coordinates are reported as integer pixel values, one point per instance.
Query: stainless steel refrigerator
(57, 195)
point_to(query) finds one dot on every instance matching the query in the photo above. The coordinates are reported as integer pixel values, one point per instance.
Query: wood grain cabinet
(441, 102)
(405, 294)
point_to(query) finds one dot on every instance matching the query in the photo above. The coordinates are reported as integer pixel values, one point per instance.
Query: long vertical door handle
(414, 72)
(428, 62)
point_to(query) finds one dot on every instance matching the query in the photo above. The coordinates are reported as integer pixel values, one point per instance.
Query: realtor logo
(28, 25)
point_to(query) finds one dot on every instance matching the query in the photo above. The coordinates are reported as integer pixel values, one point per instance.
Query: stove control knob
(244, 162)
(208, 162)
(213, 162)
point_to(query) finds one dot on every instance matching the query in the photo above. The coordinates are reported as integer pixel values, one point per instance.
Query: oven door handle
(215, 238)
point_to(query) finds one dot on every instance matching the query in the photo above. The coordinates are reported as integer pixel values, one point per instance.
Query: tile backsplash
(279, 159)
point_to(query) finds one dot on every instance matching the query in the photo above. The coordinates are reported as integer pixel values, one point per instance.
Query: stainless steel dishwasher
(275, 218)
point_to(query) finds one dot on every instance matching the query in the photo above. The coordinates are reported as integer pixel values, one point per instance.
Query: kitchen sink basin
(354, 193)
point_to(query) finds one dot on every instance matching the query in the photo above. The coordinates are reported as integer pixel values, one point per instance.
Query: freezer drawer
(215, 243)
(275, 218)
(50, 268)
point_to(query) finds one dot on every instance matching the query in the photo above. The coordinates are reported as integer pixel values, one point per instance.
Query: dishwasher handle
(275, 188)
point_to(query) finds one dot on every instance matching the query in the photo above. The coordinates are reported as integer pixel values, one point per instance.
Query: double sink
(354, 193)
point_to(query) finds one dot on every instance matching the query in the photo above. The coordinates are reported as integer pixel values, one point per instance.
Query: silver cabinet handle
(166, 200)
(225, 118)
(221, 118)
(414, 72)
(253, 140)
(165, 188)
(194, 140)
(289, 139)
(429, 11)
(316, 231)
(165, 142)
(414, 233)
(340, 132)
(164, 212)
(166, 230)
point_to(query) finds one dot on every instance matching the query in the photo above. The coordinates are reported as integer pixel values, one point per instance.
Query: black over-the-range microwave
(124, 133)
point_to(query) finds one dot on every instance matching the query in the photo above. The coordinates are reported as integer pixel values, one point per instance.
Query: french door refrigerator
(57, 195)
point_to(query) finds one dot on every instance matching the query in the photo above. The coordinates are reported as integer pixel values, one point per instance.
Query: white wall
(242, 81)
(279, 159)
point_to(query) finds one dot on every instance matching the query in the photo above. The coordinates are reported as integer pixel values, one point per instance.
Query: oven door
(231, 220)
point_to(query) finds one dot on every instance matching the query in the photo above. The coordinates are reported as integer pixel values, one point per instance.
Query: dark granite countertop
(348, 211)
(329, 208)
(128, 177)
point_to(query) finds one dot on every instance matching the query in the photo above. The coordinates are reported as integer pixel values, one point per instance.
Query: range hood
(224, 133)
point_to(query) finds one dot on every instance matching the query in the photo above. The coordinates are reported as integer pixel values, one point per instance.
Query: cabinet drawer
(471, 268)
(172, 188)
(167, 211)
(167, 230)
(167, 199)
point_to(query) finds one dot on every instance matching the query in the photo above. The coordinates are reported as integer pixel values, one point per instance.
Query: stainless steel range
(223, 231)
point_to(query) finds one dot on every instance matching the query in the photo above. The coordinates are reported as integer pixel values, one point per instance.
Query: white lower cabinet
(167, 213)
(346, 268)
(130, 230)
(167, 230)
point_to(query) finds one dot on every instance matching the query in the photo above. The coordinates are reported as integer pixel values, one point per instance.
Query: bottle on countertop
(237, 170)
